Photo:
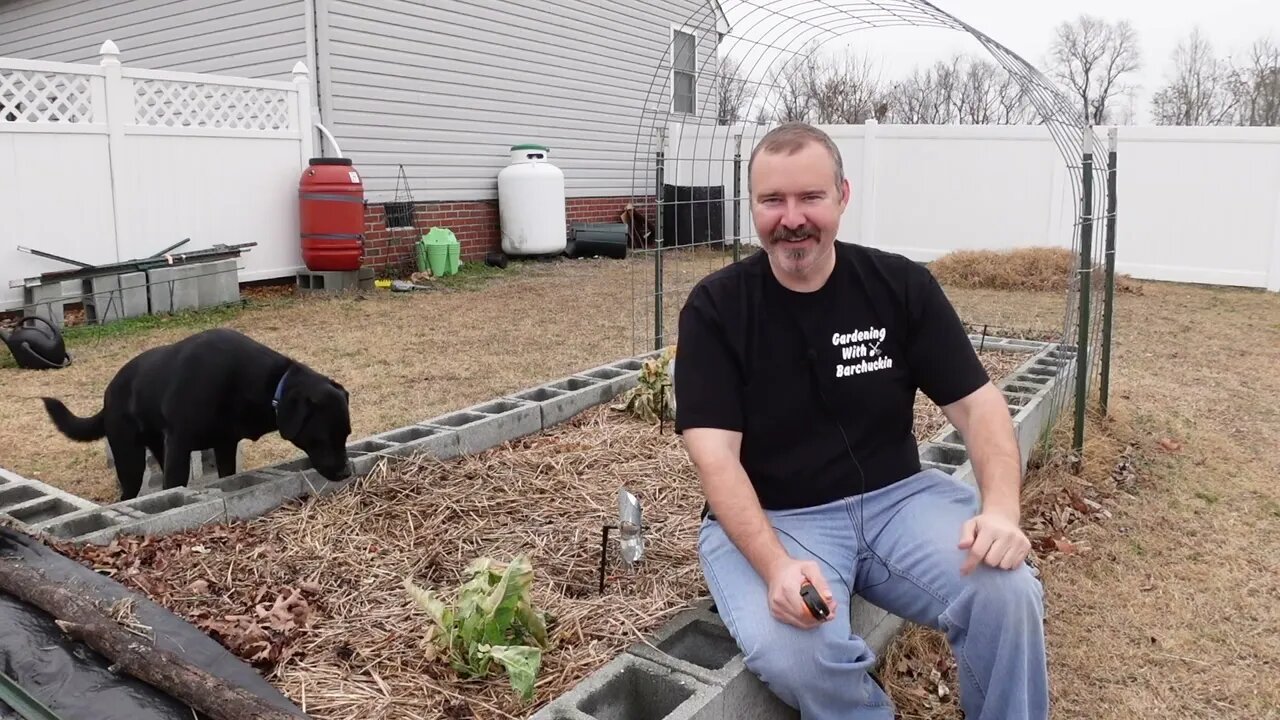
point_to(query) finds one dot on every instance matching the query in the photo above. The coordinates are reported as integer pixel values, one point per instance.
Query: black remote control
(817, 607)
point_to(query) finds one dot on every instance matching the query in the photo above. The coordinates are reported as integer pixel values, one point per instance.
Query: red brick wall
(474, 223)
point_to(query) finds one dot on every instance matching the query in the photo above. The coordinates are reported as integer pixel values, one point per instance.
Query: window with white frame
(683, 71)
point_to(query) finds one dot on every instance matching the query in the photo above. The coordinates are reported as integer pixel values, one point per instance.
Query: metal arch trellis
(681, 151)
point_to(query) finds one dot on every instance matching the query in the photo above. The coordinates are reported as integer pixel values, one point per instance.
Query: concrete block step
(309, 281)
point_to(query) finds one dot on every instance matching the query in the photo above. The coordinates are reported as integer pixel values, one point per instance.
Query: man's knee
(1004, 596)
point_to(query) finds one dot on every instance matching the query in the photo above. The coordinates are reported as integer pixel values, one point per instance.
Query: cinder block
(630, 687)
(695, 642)
(366, 454)
(191, 513)
(135, 298)
(16, 490)
(82, 522)
(257, 492)
(335, 280)
(42, 509)
(490, 424)
(617, 380)
(219, 283)
(161, 502)
(943, 453)
(46, 301)
(19, 494)
(174, 288)
(116, 297)
(438, 442)
(562, 399)
(312, 482)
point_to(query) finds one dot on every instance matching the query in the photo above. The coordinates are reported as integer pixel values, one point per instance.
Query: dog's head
(314, 414)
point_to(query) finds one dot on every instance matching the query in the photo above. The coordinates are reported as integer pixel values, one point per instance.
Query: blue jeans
(992, 618)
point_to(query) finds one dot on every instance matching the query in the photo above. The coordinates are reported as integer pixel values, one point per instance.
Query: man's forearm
(735, 505)
(984, 423)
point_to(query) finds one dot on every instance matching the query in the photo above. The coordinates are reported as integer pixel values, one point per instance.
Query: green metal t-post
(1085, 273)
(737, 196)
(657, 253)
(1108, 301)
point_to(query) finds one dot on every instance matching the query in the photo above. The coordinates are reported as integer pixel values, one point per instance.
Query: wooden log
(84, 620)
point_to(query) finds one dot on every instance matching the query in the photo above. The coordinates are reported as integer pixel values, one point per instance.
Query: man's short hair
(791, 137)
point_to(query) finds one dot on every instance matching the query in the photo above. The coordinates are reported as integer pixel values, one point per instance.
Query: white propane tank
(531, 204)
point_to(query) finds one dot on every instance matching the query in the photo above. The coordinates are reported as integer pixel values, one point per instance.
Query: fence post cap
(110, 53)
(300, 69)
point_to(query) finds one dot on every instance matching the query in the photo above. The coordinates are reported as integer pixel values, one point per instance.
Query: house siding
(245, 38)
(446, 87)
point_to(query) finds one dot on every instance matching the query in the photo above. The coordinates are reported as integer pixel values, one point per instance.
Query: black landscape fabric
(72, 680)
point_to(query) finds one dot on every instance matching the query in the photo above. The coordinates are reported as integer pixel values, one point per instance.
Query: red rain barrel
(331, 213)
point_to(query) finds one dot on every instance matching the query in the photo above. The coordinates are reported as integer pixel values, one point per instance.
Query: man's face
(796, 206)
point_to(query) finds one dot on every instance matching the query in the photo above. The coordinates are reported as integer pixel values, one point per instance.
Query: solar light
(630, 529)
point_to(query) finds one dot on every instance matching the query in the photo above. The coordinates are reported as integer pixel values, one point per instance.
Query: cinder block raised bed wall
(473, 222)
(691, 669)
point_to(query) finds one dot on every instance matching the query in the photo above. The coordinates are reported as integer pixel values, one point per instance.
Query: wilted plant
(493, 620)
(653, 398)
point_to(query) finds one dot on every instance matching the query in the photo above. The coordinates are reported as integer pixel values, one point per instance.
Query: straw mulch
(311, 594)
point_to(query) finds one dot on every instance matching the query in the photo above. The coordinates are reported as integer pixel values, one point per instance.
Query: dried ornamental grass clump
(493, 621)
(1036, 269)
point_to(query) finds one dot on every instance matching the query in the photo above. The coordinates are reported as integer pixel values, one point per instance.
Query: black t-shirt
(878, 330)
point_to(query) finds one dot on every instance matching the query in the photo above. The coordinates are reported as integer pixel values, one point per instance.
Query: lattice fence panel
(180, 104)
(40, 97)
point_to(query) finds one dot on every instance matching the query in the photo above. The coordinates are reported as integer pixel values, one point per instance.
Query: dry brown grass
(312, 593)
(1163, 602)
(1039, 269)
(404, 357)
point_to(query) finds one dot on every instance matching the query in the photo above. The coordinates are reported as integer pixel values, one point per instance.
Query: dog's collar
(275, 400)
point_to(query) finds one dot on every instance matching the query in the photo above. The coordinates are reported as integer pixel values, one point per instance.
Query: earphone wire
(812, 355)
(862, 484)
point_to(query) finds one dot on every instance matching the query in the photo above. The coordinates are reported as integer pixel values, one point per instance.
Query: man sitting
(798, 369)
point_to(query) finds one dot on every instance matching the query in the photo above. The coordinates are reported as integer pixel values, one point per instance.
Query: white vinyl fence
(1195, 204)
(109, 163)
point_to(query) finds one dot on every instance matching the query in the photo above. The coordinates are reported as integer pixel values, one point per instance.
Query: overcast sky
(1027, 27)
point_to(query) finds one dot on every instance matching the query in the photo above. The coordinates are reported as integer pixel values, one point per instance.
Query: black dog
(210, 391)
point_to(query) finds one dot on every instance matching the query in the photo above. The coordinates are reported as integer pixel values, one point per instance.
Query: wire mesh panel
(716, 93)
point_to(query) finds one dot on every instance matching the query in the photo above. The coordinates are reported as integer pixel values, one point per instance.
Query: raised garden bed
(312, 592)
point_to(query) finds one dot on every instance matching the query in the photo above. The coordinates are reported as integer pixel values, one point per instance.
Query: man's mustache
(803, 232)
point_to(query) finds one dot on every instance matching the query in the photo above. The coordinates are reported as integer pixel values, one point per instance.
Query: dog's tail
(76, 428)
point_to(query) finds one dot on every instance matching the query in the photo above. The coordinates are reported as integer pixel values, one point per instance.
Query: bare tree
(1092, 57)
(732, 91)
(961, 90)
(790, 91)
(1013, 102)
(927, 96)
(1201, 88)
(827, 88)
(1258, 86)
(844, 88)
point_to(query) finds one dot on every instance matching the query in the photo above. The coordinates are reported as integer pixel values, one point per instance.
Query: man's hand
(785, 578)
(993, 538)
